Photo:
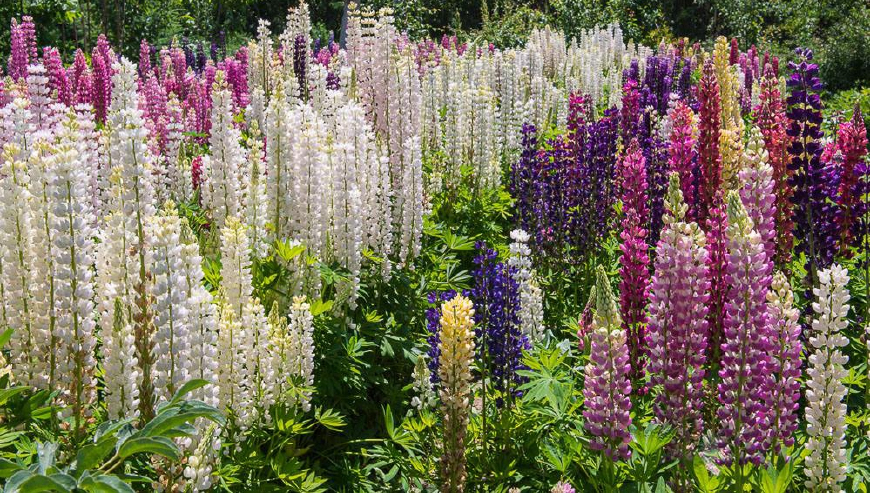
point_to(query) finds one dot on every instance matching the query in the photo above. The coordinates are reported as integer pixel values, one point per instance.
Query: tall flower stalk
(634, 261)
(825, 466)
(456, 349)
(813, 215)
(785, 364)
(607, 387)
(677, 335)
(744, 387)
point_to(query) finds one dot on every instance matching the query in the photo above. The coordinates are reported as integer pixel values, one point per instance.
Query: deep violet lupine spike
(19, 44)
(497, 323)
(709, 159)
(814, 216)
(300, 63)
(770, 117)
(630, 112)
(634, 261)
(745, 386)
(522, 179)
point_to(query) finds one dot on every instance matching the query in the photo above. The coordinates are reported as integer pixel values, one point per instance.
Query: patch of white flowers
(826, 407)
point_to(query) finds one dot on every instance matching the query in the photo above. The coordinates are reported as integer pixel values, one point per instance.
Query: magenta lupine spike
(58, 80)
(634, 261)
(153, 103)
(717, 261)
(237, 77)
(79, 67)
(709, 128)
(101, 82)
(144, 61)
(630, 112)
(744, 389)
(607, 387)
(682, 156)
(852, 146)
(677, 333)
(757, 190)
(785, 364)
(84, 88)
(179, 70)
(22, 47)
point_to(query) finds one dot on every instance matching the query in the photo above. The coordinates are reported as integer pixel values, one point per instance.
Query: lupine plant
(317, 266)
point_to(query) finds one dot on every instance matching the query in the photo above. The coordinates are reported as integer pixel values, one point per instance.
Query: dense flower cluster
(677, 335)
(826, 409)
(607, 390)
(501, 341)
(813, 184)
(457, 352)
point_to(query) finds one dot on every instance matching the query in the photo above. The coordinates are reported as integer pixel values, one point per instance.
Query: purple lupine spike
(200, 57)
(497, 323)
(745, 387)
(677, 335)
(630, 112)
(607, 388)
(814, 215)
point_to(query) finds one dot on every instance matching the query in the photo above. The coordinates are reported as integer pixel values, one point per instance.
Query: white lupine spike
(309, 183)
(256, 200)
(42, 262)
(73, 248)
(410, 202)
(531, 312)
(221, 190)
(131, 205)
(17, 230)
(39, 95)
(282, 125)
(235, 266)
(299, 360)
(259, 372)
(825, 466)
(232, 388)
(178, 183)
(171, 338)
(201, 318)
